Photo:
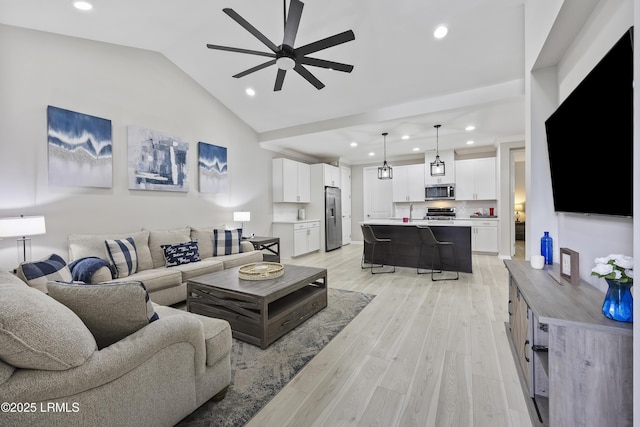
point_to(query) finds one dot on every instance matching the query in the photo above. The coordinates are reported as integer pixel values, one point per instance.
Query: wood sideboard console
(575, 364)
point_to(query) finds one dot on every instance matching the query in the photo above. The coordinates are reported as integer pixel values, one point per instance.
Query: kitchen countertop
(301, 221)
(415, 222)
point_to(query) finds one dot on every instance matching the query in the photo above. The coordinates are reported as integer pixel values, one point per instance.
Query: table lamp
(22, 226)
(518, 208)
(242, 216)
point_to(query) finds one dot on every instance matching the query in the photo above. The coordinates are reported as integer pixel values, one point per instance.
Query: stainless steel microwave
(440, 192)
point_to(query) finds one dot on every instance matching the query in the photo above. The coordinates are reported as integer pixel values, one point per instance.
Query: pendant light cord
(385, 146)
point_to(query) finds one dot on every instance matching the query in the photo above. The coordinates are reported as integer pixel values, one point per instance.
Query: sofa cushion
(204, 237)
(87, 245)
(165, 237)
(36, 274)
(217, 332)
(236, 260)
(158, 278)
(111, 311)
(6, 371)
(123, 256)
(37, 332)
(226, 242)
(206, 266)
(181, 253)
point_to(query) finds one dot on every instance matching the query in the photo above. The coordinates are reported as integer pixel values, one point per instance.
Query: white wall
(595, 235)
(129, 87)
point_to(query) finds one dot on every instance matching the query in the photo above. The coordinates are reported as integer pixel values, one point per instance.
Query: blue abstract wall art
(157, 161)
(80, 149)
(212, 168)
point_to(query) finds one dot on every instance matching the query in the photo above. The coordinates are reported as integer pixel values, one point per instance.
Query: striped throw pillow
(38, 273)
(226, 242)
(123, 256)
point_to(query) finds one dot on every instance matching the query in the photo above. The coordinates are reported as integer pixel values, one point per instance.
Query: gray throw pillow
(111, 311)
(37, 332)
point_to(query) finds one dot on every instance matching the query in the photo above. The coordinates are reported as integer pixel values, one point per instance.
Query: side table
(269, 245)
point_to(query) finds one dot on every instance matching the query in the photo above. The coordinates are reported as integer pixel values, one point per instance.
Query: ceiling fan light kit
(285, 56)
(437, 166)
(385, 171)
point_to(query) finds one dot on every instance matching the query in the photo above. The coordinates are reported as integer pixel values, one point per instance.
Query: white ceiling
(404, 80)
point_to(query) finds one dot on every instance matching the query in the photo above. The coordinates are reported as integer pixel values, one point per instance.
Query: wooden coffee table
(259, 311)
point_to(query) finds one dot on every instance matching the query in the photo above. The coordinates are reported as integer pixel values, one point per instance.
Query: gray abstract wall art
(157, 161)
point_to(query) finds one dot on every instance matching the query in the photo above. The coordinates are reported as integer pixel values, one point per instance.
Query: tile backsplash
(464, 208)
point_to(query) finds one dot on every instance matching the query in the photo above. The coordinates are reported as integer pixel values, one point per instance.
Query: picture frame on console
(570, 265)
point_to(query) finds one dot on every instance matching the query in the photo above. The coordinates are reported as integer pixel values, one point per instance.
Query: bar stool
(427, 239)
(371, 239)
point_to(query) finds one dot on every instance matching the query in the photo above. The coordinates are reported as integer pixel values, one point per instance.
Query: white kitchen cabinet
(476, 179)
(331, 175)
(297, 238)
(484, 236)
(291, 181)
(448, 157)
(408, 183)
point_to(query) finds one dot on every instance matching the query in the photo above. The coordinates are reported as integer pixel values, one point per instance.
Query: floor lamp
(22, 226)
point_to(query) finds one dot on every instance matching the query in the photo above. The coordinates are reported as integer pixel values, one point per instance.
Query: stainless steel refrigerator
(332, 218)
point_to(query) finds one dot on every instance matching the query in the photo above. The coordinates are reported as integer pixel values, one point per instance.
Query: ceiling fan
(285, 56)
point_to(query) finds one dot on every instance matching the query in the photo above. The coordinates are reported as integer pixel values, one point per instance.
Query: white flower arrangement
(614, 267)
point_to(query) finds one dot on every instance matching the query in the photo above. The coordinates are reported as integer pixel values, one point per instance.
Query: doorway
(518, 203)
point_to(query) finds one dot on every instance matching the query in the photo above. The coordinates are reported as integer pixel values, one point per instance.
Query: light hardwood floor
(422, 353)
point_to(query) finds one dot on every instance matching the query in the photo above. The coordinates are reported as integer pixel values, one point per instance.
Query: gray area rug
(258, 375)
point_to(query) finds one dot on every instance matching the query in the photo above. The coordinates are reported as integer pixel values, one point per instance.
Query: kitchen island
(405, 242)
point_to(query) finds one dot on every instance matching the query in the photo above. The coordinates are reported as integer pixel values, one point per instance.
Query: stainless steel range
(440, 213)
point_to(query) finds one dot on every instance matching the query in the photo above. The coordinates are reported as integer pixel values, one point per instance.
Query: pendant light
(385, 171)
(437, 166)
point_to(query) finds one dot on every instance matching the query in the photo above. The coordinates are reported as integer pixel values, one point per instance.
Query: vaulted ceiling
(404, 80)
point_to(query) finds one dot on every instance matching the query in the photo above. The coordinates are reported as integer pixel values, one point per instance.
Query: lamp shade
(242, 216)
(518, 207)
(22, 226)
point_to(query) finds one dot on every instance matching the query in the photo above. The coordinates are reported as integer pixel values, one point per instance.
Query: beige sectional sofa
(52, 372)
(166, 285)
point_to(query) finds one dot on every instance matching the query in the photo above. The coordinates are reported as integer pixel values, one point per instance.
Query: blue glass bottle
(546, 248)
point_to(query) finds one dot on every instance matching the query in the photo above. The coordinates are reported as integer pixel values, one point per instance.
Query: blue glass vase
(546, 248)
(618, 302)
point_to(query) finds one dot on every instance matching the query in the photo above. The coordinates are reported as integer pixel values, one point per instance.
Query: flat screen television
(590, 139)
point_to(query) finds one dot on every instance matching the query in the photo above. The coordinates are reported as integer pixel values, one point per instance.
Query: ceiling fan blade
(310, 77)
(257, 34)
(328, 42)
(256, 68)
(238, 50)
(293, 21)
(326, 64)
(279, 79)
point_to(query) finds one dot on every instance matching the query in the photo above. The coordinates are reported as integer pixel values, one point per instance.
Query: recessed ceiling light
(250, 91)
(416, 149)
(82, 5)
(405, 136)
(354, 144)
(440, 31)
(372, 154)
(470, 142)
(469, 128)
